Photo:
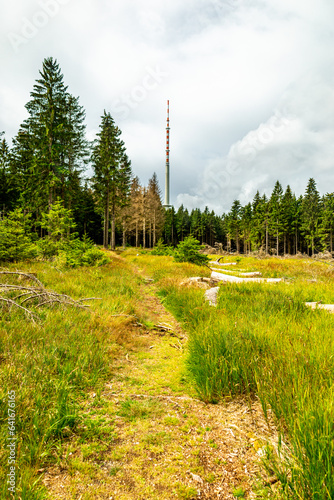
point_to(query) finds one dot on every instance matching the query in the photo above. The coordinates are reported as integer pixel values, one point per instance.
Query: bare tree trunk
(137, 235)
(154, 230)
(144, 233)
(277, 244)
(113, 239)
(267, 242)
(284, 249)
(124, 238)
(150, 235)
(106, 223)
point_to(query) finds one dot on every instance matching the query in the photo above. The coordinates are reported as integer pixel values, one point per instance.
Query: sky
(250, 85)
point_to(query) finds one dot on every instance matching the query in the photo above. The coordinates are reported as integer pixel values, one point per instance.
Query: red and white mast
(167, 160)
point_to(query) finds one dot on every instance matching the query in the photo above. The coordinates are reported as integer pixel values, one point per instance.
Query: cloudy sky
(250, 84)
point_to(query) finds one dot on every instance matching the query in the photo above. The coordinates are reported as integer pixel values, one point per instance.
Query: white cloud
(250, 86)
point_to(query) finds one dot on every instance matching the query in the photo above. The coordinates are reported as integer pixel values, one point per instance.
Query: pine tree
(288, 208)
(246, 225)
(5, 198)
(259, 231)
(155, 209)
(275, 214)
(310, 217)
(135, 208)
(170, 227)
(112, 174)
(327, 221)
(196, 227)
(50, 146)
(182, 223)
(233, 224)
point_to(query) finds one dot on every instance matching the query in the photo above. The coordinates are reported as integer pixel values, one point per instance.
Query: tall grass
(263, 340)
(53, 365)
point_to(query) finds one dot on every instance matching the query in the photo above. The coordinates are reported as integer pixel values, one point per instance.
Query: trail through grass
(108, 405)
(263, 340)
(104, 404)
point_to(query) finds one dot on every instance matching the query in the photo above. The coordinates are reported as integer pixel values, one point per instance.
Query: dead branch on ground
(15, 295)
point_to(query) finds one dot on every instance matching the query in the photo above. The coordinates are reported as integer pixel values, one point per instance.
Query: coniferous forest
(43, 178)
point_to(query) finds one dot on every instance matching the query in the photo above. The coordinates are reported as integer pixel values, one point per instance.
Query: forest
(47, 164)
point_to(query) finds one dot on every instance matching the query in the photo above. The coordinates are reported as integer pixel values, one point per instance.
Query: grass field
(262, 340)
(92, 386)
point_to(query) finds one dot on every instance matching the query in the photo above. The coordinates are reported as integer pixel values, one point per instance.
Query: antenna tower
(167, 205)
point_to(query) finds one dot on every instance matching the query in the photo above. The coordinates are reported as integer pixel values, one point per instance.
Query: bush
(162, 249)
(75, 253)
(15, 237)
(188, 251)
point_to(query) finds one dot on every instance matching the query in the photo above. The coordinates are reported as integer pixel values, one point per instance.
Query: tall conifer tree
(112, 174)
(50, 147)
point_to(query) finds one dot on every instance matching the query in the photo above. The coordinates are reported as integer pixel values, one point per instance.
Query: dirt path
(150, 438)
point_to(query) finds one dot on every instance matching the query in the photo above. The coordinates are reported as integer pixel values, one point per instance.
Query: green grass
(262, 340)
(53, 365)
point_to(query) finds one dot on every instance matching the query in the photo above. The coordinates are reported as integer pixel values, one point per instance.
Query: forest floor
(150, 438)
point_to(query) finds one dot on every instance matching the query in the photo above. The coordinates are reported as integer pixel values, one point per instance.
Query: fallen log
(236, 279)
(217, 263)
(250, 274)
(318, 305)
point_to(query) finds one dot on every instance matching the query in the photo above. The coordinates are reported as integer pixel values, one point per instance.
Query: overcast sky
(250, 84)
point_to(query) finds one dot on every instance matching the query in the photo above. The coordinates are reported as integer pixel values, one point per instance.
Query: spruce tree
(259, 230)
(246, 225)
(310, 216)
(5, 199)
(155, 208)
(112, 174)
(288, 208)
(327, 221)
(182, 222)
(275, 214)
(50, 146)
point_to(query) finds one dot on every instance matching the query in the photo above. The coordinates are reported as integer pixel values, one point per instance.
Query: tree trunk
(277, 242)
(113, 239)
(284, 249)
(154, 230)
(124, 238)
(296, 242)
(137, 235)
(267, 245)
(106, 222)
(144, 233)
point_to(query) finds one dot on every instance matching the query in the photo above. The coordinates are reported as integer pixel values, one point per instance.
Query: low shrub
(188, 251)
(162, 249)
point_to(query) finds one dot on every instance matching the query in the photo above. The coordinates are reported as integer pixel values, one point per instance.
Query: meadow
(261, 341)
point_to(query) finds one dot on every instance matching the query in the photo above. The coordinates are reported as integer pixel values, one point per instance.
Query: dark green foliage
(66, 248)
(188, 251)
(311, 226)
(76, 252)
(15, 238)
(162, 249)
(50, 148)
(112, 174)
